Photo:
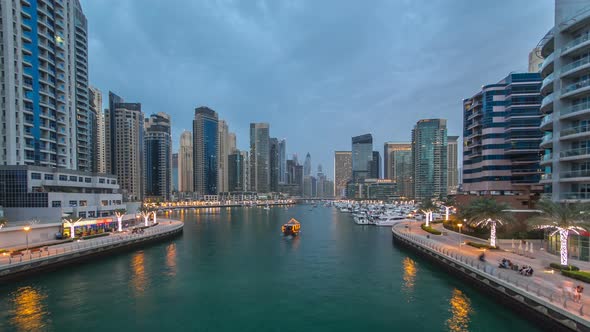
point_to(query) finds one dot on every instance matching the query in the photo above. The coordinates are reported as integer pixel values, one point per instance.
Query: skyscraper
(566, 104)
(236, 172)
(535, 60)
(158, 157)
(44, 79)
(429, 154)
(205, 151)
(388, 160)
(259, 157)
(223, 137)
(185, 163)
(342, 172)
(124, 146)
(502, 137)
(452, 164)
(98, 146)
(246, 173)
(375, 166)
(307, 165)
(362, 155)
(274, 164)
(283, 161)
(403, 175)
(175, 172)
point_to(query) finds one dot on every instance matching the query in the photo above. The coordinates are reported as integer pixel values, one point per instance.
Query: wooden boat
(293, 227)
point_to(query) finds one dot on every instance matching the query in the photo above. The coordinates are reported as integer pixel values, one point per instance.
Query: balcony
(575, 196)
(574, 132)
(547, 85)
(547, 139)
(547, 103)
(547, 122)
(574, 154)
(583, 40)
(576, 66)
(575, 88)
(547, 66)
(574, 176)
(575, 110)
(547, 158)
(545, 178)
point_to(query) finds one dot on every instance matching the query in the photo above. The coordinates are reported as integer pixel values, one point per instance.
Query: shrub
(481, 245)
(430, 230)
(579, 275)
(564, 267)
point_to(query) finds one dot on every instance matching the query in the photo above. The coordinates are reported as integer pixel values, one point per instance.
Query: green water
(231, 270)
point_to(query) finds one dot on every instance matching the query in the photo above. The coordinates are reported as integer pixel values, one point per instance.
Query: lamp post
(27, 229)
(460, 242)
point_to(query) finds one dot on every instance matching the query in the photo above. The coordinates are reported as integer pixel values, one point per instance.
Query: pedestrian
(578, 293)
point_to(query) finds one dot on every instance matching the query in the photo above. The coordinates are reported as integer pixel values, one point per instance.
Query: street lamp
(460, 242)
(27, 229)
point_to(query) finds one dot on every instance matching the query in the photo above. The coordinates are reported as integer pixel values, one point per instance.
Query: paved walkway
(551, 284)
(163, 225)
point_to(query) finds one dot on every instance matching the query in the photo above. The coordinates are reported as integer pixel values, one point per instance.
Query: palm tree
(119, 213)
(72, 221)
(145, 213)
(487, 212)
(427, 207)
(563, 218)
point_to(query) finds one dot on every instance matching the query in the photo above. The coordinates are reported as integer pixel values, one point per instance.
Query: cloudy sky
(319, 71)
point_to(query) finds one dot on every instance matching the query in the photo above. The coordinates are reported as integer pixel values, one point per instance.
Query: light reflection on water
(138, 280)
(460, 312)
(171, 259)
(410, 270)
(30, 310)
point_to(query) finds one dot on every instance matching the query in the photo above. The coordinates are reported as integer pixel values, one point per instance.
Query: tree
(427, 207)
(119, 213)
(487, 212)
(562, 218)
(72, 221)
(145, 213)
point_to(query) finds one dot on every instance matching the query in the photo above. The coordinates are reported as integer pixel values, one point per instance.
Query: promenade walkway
(126, 236)
(545, 283)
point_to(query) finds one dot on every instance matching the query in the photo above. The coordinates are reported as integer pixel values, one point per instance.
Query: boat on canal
(292, 227)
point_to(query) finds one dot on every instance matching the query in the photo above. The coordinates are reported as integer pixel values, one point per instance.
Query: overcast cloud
(318, 71)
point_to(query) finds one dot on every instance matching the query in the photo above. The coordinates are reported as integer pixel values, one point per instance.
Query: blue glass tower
(205, 151)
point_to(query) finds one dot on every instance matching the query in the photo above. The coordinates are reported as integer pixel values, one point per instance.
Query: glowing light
(139, 279)
(410, 272)
(460, 311)
(27, 228)
(563, 233)
(493, 233)
(30, 312)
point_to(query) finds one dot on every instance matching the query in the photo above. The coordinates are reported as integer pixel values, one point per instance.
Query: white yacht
(389, 220)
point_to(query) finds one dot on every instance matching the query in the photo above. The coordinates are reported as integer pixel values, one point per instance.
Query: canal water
(231, 270)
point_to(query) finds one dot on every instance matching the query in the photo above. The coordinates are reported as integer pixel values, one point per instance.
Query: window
(82, 214)
(117, 202)
(55, 203)
(80, 179)
(83, 203)
(73, 178)
(73, 203)
(48, 176)
(36, 176)
(91, 214)
(87, 180)
(101, 180)
(104, 203)
(63, 178)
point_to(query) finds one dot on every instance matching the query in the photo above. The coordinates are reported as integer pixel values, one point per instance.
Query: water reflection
(30, 312)
(171, 259)
(409, 274)
(460, 311)
(138, 280)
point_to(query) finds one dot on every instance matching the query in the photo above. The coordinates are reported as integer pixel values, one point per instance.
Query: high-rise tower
(205, 151)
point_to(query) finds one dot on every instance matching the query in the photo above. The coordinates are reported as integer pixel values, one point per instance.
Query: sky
(319, 71)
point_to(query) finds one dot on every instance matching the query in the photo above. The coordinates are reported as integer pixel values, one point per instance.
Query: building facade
(362, 156)
(274, 163)
(566, 103)
(375, 166)
(158, 157)
(124, 146)
(452, 164)
(283, 161)
(185, 163)
(44, 81)
(307, 165)
(502, 137)
(175, 172)
(205, 151)
(259, 157)
(99, 156)
(429, 155)
(403, 175)
(535, 60)
(224, 151)
(48, 194)
(342, 172)
(388, 160)
(236, 172)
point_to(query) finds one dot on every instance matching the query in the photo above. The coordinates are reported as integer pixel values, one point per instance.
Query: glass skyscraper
(362, 156)
(205, 151)
(158, 157)
(429, 154)
(259, 157)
